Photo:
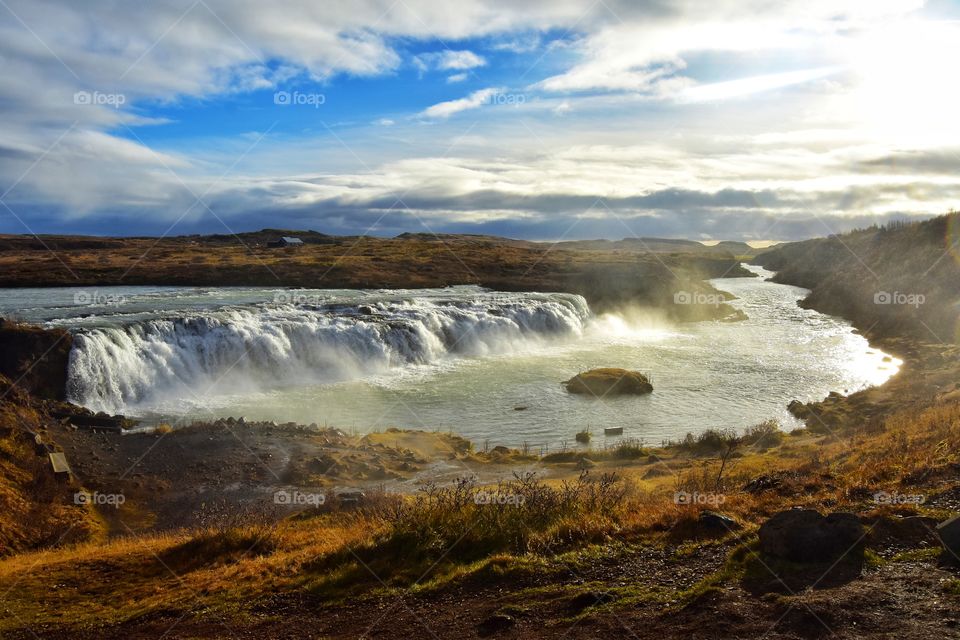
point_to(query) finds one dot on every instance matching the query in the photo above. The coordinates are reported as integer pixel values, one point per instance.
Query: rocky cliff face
(35, 359)
(900, 280)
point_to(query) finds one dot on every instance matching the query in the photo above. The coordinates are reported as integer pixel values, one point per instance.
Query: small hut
(286, 241)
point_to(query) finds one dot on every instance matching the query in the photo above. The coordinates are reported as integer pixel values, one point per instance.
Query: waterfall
(193, 353)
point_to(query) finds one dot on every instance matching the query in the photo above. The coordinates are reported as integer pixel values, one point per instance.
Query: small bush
(467, 522)
(709, 442)
(630, 449)
(220, 545)
(583, 437)
(764, 435)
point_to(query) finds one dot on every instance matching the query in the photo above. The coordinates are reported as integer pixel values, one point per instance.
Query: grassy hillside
(37, 509)
(900, 279)
(594, 555)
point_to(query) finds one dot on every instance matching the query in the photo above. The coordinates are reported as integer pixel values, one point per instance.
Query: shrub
(466, 522)
(709, 442)
(630, 449)
(764, 435)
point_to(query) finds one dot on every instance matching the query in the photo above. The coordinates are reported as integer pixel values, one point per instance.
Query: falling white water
(116, 368)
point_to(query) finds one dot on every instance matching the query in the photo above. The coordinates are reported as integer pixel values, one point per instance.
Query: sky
(544, 120)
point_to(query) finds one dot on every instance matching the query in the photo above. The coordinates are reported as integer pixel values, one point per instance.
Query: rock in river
(609, 381)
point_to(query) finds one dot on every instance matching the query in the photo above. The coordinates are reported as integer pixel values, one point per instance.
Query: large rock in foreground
(804, 535)
(949, 533)
(609, 382)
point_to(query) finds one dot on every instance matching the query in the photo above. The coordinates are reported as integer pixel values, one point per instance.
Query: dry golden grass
(35, 509)
(115, 582)
(607, 278)
(336, 553)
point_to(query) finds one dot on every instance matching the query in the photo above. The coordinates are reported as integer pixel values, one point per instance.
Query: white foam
(197, 353)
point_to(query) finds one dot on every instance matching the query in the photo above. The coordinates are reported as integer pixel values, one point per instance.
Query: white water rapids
(461, 359)
(276, 345)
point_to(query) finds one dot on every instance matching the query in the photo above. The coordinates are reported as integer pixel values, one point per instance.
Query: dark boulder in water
(609, 381)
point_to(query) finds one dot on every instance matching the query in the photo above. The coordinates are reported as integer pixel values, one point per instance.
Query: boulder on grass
(609, 381)
(804, 535)
(949, 533)
(714, 522)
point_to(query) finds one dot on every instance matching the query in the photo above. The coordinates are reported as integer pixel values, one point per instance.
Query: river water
(484, 364)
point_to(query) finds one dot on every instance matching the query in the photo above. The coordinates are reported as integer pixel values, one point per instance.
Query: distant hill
(647, 273)
(736, 248)
(891, 280)
(660, 245)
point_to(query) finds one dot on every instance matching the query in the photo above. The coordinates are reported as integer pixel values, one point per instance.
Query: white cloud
(798, 155)
(449, 60)
(460, 60)
(637, 55)
(450, 107)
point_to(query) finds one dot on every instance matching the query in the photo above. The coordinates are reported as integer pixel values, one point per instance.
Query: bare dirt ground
(184, 477)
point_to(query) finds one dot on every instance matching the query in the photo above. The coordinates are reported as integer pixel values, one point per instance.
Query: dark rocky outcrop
(35, 359)
(609, 382)
(806, 536)
(589, 599)
(949, 533)
(895, 280)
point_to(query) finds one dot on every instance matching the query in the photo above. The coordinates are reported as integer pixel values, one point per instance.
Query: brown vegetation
(539, 546)
(606, 277)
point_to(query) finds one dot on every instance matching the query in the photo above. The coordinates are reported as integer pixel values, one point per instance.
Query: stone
(949, 533)
(609, 381)
(716, 522)
(806, 536)
(762, 483)
(496, 622)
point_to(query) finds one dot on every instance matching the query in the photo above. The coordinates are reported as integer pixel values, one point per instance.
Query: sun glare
(908, 90)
